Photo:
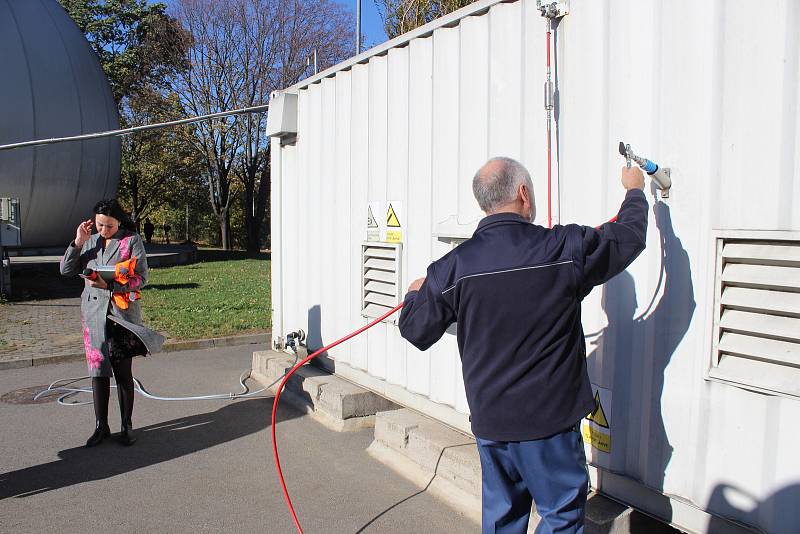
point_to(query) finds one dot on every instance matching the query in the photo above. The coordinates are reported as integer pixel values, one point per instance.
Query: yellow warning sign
(394, 230)
(391, 218)
(598, 415)
(599, 440)
(596, 427)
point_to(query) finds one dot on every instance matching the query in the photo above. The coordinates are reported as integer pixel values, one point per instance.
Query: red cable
(278, 396)
(549, 151)
(297, 366)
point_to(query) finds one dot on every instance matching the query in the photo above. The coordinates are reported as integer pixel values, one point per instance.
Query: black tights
(101, 387)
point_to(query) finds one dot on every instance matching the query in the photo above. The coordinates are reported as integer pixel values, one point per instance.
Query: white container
(698, 87)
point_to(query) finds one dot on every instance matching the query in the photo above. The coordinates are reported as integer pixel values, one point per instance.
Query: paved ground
(198, 466)
(41, 327)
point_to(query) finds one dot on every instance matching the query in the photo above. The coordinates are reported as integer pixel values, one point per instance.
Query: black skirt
(122, 343)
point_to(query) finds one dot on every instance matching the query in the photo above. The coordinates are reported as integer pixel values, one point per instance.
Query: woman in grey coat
(110, 310)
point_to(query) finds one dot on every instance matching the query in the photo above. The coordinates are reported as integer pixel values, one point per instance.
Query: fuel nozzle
(660, 175)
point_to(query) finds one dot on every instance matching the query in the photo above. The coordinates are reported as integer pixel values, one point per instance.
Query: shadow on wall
(314, 334)
(314, 340)
(632, 354)
(157, 443)
(777, 514)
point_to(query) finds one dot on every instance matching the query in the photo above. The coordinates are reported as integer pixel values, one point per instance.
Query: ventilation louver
(380, 279)
(757, 322)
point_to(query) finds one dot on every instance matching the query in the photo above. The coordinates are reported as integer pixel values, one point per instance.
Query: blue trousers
(550, 472)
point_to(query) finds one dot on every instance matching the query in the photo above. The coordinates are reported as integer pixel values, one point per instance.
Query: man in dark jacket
(515, 290)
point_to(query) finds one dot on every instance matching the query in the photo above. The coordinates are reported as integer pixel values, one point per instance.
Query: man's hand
(632, 178)
(416, 284)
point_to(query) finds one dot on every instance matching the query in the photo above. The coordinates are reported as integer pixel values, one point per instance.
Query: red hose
(549, 148)
(297, 366)
(278, 396)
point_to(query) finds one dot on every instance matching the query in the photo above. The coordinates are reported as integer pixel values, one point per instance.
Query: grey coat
(97, 304)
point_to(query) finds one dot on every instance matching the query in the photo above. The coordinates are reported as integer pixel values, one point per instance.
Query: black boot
(100, 394)
(125, 393)
(126, 436)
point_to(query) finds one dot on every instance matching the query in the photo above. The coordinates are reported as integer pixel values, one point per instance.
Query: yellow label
(394, 236)
(599, 440)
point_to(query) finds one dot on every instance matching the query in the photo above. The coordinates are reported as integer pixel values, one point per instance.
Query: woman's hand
(83, 233)
(98, 283)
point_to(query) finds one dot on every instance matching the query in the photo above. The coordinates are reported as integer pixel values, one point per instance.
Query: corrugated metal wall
(709, 89)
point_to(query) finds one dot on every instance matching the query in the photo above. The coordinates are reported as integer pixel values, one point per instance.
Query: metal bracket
(665, 192)
(553, 10)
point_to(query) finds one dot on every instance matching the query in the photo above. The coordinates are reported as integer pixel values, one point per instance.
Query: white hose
(67, 392)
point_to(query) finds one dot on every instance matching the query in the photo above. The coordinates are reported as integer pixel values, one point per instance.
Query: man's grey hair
(497, 181)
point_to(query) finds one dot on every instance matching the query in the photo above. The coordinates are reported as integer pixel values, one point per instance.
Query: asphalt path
(199, 466)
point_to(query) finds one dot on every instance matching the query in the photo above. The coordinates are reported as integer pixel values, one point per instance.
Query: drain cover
(26, 395)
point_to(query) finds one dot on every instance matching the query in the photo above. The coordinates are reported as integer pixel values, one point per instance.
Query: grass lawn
(216, 298)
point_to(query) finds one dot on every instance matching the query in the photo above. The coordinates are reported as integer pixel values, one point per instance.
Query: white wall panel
(397, 186)
(419, 224)
(505, 82)
(377, 354)
(708, 89)
(359, 179)
(446, 127)
(348, 215)
(473, 125)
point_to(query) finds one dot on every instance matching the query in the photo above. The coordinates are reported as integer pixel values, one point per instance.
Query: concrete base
(440, 460)
(446, 463)
(336, 403)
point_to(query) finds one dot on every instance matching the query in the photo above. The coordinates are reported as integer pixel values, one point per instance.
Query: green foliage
(209, 299)
(158, 168)
(138, 44)
(401, 16)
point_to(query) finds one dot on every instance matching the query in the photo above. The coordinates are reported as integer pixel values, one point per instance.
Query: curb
(170, 346)
(331, 400)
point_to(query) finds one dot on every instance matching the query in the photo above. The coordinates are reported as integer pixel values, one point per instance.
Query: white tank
(53, 86)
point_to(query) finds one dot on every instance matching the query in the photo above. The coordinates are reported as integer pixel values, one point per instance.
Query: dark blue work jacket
(515, 290)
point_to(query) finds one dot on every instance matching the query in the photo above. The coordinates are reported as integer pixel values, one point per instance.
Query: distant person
(110, 311)
(515, 291)
(149, 230)
(167, 229)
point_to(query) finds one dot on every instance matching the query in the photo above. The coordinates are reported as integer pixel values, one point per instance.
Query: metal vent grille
(380, 279)
(757, 323)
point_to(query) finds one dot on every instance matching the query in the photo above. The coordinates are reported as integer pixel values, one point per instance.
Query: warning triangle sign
(391, 218)
(598, 415)
(371, 222)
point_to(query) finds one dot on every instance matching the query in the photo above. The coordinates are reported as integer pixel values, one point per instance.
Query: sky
(371, 23)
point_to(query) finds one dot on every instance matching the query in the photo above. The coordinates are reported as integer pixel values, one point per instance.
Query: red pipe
(278, 397)
(297, 366)
(549, 146)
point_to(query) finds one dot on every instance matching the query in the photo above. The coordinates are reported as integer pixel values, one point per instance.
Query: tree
(138, 44)
(157, 165)
(140, 48)
(401, 16)
(241, 51)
